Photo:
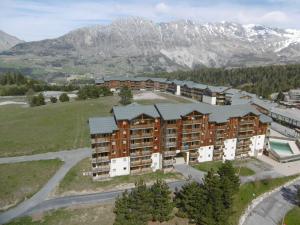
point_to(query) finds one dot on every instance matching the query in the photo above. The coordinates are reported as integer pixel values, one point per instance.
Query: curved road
(272, 209)
(71, 158)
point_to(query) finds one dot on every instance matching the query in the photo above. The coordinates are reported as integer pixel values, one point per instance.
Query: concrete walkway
(189, 172)
(70, 158)
(272, 209)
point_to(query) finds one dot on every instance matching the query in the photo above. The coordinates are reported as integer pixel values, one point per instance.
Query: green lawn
(75, 181)
(252, 190)
(22, 180)
(207, 166)
(52, 127)
(293, 217)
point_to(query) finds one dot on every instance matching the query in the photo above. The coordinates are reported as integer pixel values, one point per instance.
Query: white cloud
(32, 20)
(162, 8)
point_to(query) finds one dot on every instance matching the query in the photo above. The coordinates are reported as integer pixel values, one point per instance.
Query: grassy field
(52, 127)
(74, 181)
(252, 190)
(22, 180)
(90, 215)
(207, 166)
(293, 217)
(169, 98)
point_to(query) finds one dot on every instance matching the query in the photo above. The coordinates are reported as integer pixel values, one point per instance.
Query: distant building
(214, 95)
(145, 138)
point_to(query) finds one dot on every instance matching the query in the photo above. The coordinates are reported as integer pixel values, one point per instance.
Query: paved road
(70, 158)
(272, 209)
(85, 199)
(63, 155)
(190, 172)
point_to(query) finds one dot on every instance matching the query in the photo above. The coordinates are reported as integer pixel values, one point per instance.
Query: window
(114, 170)
(113, 161)
(113, 143)
(124, 122)
(124, 132)
(124, 142)
(124, 168)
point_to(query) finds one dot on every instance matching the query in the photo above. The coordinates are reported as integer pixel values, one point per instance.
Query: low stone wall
(259, 199)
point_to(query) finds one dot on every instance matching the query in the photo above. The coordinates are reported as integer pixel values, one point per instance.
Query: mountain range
(136, 45)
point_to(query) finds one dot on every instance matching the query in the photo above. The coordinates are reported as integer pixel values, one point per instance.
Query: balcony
(244, 143)
(141, 126)
(246, 122)
(170, 144)
(174, 135)
(219, 143)
(100, 140)
(192, 122)
(101, 169)
(191, 131)
(190, 147)
(141, 145)
(245, 136)
(140, 154)
(100, 159)
(142, 170)
(169, 153)
(246, 129)
(245, 149)
(191, 138)
(168, 162)
(100, 149)
(171, 125)
(141, 136)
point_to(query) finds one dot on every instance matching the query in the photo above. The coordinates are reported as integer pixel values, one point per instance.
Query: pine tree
(216, 213)
(161, 202)
(189, 200)
(140, 204)
(122, 210)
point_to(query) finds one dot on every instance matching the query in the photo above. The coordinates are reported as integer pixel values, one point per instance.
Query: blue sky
(33, 20)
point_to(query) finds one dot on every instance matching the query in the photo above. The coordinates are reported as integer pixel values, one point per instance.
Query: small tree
(37, 100)
(53, 99)
(126, 95)
(161, 202)
(29, 95)
(64, 97)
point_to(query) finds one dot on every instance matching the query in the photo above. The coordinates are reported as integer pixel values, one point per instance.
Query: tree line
(262, 80)
(14, 83)
(209, 203)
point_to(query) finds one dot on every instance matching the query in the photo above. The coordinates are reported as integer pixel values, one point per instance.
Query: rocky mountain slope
(7, 41)
(135, 45)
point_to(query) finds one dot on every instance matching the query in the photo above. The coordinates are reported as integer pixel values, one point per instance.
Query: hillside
(7, 41)
(136, 45)
(262, 80)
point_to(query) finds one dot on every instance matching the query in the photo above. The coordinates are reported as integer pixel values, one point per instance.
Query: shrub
(64, 97)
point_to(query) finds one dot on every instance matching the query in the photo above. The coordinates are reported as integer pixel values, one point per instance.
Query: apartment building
(203, 93)
(139, 138)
